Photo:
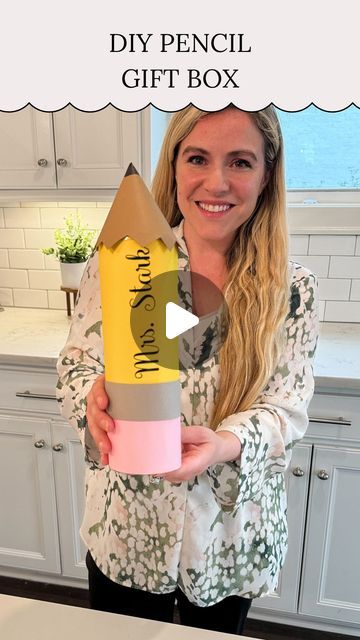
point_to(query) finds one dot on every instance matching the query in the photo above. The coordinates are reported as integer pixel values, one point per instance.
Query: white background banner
(130, 54)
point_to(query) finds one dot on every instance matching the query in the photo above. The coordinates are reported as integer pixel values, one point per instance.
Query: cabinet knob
(323, 474)
(42, 162)
(62, 162)
(58, 447)
(39, 444)
(298, 472)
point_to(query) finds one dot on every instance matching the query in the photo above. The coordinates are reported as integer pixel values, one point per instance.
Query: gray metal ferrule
(144, 402)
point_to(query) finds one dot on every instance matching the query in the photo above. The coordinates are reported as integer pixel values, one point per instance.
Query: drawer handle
(323, 474)
(337, 421)
(39, 444)
(298, 472)
(36, 396)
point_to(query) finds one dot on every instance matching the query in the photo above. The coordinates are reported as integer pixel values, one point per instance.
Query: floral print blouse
(225, 532)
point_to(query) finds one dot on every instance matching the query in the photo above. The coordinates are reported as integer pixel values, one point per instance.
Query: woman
(213, 534)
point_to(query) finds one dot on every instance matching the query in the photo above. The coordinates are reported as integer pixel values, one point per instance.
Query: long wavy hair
(257, 289)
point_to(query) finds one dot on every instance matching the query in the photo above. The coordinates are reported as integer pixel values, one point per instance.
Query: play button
(177, 320)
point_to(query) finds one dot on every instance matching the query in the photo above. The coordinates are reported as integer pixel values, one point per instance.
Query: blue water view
(322, 149)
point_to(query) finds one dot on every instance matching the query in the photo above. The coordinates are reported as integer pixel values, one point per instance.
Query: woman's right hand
(99, 421)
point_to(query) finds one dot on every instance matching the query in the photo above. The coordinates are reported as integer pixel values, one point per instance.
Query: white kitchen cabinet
(69, 149)
(320, 585)
(41, 481)
(95, 149)
(68, 456)
(28, 525)
(42, 498)
(285, 598)
(26, 143)
(331, 577)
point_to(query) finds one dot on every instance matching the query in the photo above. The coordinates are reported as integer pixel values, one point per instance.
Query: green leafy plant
(74, 243)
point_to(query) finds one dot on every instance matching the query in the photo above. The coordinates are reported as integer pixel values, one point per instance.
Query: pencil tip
(131, 170)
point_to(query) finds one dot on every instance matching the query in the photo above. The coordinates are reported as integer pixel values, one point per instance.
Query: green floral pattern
(225, 532)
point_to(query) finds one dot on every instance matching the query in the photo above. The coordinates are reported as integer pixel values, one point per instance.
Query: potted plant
(73, 247)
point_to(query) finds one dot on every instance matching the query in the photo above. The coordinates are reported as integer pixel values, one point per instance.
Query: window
(322, 152)
(159, 121)
(322, 156)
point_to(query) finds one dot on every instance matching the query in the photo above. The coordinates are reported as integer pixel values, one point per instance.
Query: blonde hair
(257, 290)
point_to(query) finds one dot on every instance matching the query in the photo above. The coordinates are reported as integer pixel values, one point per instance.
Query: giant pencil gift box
(136, 246)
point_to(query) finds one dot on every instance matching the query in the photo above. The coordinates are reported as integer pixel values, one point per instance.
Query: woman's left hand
(201, 448)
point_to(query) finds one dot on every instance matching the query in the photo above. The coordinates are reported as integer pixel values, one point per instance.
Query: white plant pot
(71, 274)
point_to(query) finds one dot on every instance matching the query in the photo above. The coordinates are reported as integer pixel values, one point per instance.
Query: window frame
(311, 211)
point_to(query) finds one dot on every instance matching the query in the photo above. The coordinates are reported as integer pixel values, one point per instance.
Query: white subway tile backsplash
(332, 245)
(94, 218)
(20, 218)
(342, 312)
(77, 205)
(12, 238)
(38, 238)
(299, 245)
(26, 259)
(334, 289)
(44, 279)
(39, 205)
(14, 278)
(30, 279)
(30, 298)
(51, 262)
(355, 290)
(4, 259)
(317, 264)
(52, 218)
(344, 267)
(57, 300)
(6, 297)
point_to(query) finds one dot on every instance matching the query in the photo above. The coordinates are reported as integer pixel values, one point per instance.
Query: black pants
(227, 616)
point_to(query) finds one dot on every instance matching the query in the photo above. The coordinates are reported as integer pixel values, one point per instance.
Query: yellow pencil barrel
(133, 311)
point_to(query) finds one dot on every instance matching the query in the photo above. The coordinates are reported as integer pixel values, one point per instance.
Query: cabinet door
(94, 149)
(28, 524)
(26, 138)
(331, 572)
(285, 597)
(69, 468)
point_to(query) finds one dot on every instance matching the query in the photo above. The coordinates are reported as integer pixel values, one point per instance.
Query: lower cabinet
(42, 497)
(331, 576)
(28, 526)
(42, 501)
(69, 468)
(320, 582)
(285, 598)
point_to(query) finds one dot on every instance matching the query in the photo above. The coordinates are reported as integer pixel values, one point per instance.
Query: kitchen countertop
(35, 337)
(32, 336)
(35, 620)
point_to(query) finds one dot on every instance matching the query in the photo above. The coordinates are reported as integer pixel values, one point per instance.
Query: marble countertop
(35, 337)
(32, 336)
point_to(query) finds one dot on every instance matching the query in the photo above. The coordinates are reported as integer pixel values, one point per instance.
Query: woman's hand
(99, 422)
(201, 448)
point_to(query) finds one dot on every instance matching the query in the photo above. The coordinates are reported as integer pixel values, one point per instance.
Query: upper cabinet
(70, 149)
(27, 143)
